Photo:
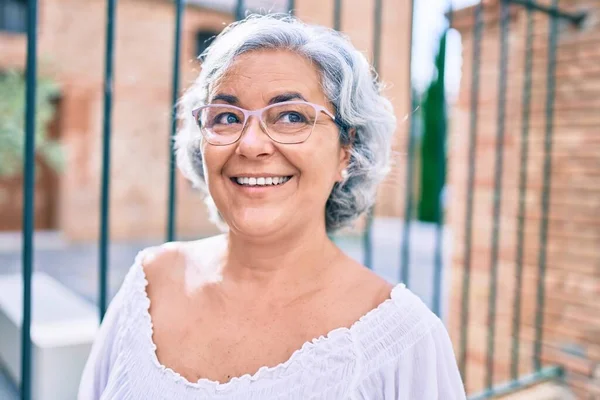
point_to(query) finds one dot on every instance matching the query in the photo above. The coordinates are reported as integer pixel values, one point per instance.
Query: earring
(344, 174)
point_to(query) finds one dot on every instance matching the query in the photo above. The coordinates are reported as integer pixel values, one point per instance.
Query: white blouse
(399, 350)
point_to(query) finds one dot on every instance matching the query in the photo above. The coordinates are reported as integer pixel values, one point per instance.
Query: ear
(345, 156)
(345, 153)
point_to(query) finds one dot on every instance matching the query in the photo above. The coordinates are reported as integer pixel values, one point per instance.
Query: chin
(259, 222)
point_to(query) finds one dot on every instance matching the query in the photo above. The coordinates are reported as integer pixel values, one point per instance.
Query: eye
(292, 117)
(226, 119)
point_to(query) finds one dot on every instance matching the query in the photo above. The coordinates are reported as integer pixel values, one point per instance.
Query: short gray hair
(348, 82)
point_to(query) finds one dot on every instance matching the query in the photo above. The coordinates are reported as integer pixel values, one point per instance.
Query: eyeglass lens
(284, 123)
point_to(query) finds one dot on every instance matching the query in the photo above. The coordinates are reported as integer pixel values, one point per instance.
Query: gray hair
(348, 82)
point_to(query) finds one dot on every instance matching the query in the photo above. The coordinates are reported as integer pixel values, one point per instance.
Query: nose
(254, 142)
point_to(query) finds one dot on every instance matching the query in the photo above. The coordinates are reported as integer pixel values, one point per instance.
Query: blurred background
(491, 212)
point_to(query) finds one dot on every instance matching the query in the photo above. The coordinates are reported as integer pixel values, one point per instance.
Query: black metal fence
(554, 14)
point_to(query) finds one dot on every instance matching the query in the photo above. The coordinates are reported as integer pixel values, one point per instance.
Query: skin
(227, 305)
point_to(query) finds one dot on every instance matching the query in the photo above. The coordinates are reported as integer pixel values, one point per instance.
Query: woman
(287, 134)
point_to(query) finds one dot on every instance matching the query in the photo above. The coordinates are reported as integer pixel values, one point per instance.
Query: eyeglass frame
(258, 114)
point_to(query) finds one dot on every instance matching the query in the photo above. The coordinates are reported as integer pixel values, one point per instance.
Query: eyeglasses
(289, 122)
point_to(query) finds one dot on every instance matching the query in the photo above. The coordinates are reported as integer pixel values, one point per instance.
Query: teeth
(261, 181)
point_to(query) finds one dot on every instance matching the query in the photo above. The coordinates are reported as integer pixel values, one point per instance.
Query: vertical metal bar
(504, 25)
(378, 12)
(239, 10)
(367, 241)
(408, 210)
(522, 195)
(29, 196)
(174, 97)
(466, 283)
(291, 7)
(106, 136)
(439, 231)
(539, 315)
(438, 256)
(337, 15)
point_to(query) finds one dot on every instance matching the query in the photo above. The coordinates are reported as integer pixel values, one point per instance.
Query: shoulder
(372, 287)
(159, 261)
(169, 261)
(363, 288)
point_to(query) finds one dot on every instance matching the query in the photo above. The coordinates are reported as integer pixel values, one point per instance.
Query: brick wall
(358, 23)
(571, 330)
(71, 49)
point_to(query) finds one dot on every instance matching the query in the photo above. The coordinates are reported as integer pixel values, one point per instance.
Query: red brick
(572, 282)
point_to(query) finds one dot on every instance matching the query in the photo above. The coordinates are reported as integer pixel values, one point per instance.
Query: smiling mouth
(260, 181)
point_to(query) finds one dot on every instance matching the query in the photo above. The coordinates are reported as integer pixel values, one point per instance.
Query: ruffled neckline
(293, 363)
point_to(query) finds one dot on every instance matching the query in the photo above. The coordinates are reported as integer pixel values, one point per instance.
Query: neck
(279, 264)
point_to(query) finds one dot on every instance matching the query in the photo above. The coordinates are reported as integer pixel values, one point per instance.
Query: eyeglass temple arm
(337, 119)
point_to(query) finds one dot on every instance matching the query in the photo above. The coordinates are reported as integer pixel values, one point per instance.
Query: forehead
(259, 75)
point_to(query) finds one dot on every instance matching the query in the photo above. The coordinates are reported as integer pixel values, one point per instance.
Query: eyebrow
(227, 98)
(280, 98)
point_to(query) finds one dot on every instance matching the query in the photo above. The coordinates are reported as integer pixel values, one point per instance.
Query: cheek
(213, 159)
(327, 156)
(317, 164)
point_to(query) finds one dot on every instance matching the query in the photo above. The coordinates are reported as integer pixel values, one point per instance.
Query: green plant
(433, 145)
(12, 123)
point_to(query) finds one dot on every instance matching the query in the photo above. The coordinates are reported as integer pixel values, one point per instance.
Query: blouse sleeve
(104, 352)
(425, 371)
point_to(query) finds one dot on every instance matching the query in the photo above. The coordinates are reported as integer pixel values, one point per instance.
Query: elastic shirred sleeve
(105, 350)
(425, 371)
